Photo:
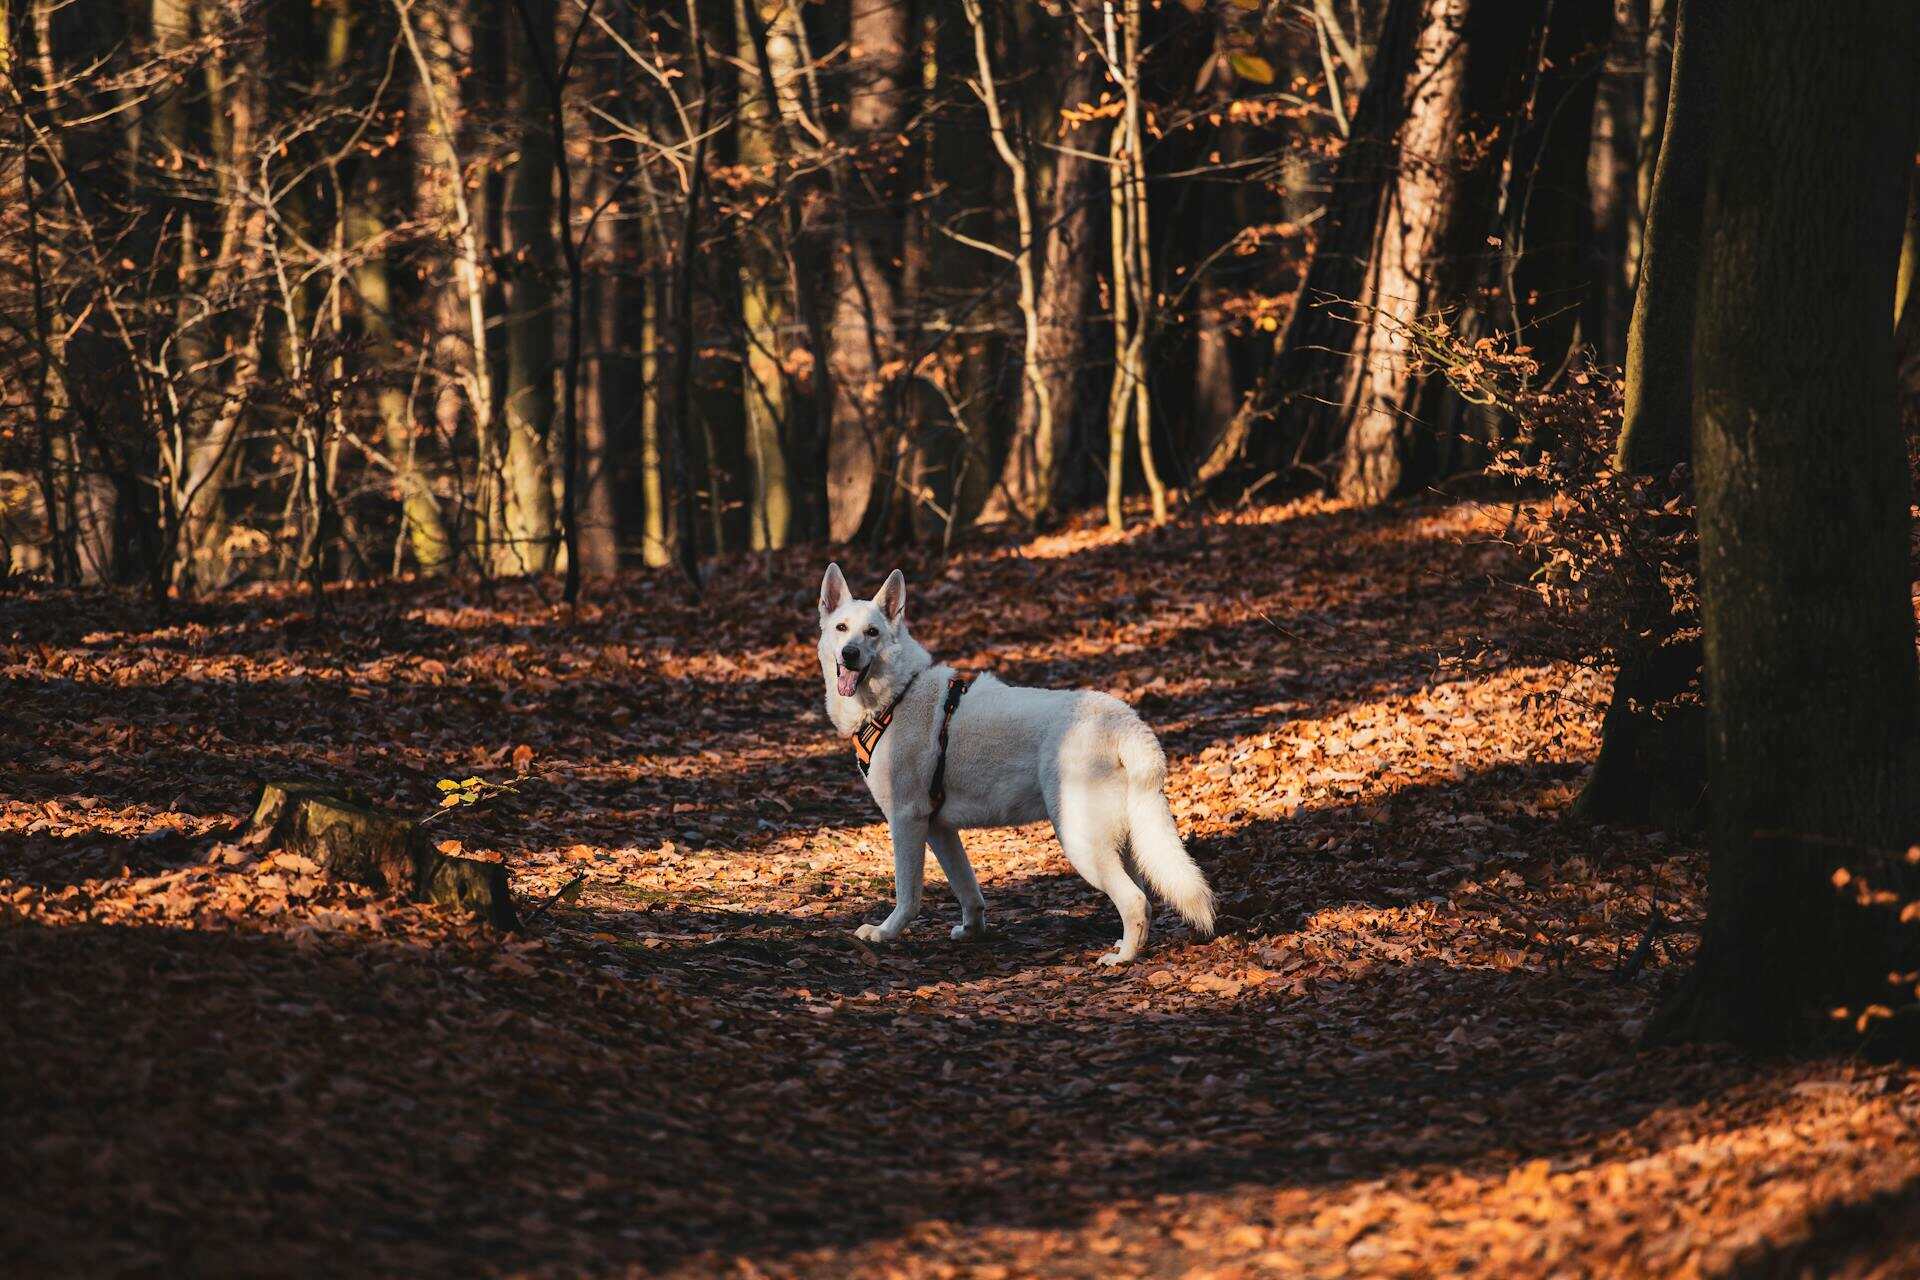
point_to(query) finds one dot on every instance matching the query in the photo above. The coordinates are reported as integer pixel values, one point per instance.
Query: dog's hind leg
(1090, 820)
(953, 860)
(909, 875)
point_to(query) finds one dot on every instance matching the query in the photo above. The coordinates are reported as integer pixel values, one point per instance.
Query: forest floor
(1411, 1052)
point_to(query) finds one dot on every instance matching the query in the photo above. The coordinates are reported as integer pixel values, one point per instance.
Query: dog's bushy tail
(1157, 850)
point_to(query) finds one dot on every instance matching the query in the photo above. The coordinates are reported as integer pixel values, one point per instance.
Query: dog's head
(857, 636)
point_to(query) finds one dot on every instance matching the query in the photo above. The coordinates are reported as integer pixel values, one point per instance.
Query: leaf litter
(1411, 1052)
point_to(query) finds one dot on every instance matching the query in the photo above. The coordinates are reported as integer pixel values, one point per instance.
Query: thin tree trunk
(1030, 458)
(553, 67)
(764, 309)
(1655, 432)
(1906, 291)
(1219, 218)
(1549, 219)
(1119, 393)
(221, 369)
(861, 439)
(1032, 475)
(426, 530)
(528, 398)
(606, 398)
(48, 381)
(1802, 498)
(658, 526)
(439, 45)
(1658, 59)
(687, 543)
(1128, 403)
(1615, 212)
(1139, 259)
(775, 42)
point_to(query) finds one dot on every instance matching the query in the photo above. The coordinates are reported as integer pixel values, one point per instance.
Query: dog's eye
(841, 627)
(873, 631)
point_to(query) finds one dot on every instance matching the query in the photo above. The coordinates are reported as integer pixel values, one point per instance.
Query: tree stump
(351, 840)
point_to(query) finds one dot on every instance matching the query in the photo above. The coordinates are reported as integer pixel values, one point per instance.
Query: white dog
(942, 754)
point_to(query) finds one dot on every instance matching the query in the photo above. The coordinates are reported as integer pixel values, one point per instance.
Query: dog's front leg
(909, 873)
(953, 861)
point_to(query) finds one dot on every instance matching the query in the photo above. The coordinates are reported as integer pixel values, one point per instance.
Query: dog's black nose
(850, 655)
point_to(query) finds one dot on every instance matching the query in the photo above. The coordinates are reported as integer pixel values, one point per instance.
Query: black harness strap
(956, 687)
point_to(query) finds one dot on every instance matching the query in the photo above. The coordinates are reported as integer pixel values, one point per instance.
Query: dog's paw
(872, 933)
(967, 932)
(1115, 958)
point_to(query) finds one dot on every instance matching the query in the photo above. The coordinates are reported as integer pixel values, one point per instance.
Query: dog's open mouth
(849, 678)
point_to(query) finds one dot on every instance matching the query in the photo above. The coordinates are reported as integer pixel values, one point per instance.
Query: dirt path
(1410, 1054)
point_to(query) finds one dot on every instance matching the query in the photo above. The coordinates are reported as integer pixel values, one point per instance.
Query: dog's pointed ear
(833, 590)
(893, 596)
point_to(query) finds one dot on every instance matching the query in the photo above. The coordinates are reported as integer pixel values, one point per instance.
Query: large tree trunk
(863, 436)
(1803, 493)
(1404, 238)
(528, 394)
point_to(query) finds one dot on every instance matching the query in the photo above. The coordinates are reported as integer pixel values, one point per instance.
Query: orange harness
(867, 737)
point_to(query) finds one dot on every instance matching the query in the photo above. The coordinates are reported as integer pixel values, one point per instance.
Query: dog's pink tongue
(849, 681)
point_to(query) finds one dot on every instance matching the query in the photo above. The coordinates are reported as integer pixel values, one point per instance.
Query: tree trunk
(1437, 212)
(439, 44)
(1657, 59)
(1221, 213)
(1655, 434)
(1030, 453)
(1129, 406)
(426, 531)
(1803, 492)
(1611, 177)
(862, 437)
(1065, 224)
(659, 523)
(1549, 218)
(528, 395)
(220, 261)
(1906, 292)
(608, 395)
(764, 308)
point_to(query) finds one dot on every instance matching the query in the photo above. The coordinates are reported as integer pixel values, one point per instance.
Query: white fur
(1084, 761)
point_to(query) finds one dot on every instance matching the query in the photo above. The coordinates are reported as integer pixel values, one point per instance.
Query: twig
(1641, 953)
(552, 898)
